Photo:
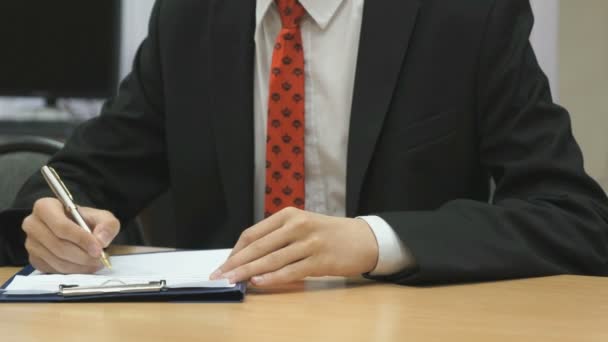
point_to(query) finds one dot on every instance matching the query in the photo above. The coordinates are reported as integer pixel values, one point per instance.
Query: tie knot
(291, 12)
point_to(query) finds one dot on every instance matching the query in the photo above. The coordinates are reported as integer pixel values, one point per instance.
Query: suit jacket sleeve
(547, 216)
(116, 161)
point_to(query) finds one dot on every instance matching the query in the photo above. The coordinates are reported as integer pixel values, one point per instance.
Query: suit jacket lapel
(231, 49)
(387, 27)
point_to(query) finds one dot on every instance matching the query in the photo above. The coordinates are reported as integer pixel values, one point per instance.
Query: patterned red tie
(285, 139)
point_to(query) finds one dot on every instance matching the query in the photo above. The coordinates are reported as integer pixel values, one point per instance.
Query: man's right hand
(58, 245)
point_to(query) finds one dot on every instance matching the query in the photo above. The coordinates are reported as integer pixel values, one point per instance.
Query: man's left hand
(294, 244)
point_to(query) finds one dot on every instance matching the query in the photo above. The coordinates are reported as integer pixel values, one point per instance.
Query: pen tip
(106, 261)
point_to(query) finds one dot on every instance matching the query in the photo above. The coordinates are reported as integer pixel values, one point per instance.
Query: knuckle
(27, 221)
(109, 217)
(313, 242)
(290, 211)
(113, 220)
(38, 206)
(28, 247)
(115, 224)
(247, 236)
(105, 213)
(41, 205)
(27, 224)
(302, 220)
(291, 228)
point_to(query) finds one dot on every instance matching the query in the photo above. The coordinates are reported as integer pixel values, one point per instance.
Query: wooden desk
(564, 308)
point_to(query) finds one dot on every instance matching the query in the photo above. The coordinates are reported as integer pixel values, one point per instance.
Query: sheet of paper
(178, 269)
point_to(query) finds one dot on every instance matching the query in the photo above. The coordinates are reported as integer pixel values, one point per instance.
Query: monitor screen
(59, 48)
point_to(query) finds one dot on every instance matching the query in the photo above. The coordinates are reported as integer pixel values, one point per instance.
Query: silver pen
(65, 197)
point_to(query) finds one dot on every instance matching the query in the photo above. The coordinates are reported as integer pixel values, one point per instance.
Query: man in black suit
(447, 96)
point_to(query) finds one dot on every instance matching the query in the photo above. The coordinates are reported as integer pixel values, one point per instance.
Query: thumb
(104, 224)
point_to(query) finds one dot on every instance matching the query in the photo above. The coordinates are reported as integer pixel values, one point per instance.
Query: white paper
(186, 269)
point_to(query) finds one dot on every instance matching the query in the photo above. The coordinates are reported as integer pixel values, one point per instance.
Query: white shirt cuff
(393, 255)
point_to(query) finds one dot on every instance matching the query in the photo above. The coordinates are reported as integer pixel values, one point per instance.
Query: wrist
(371, 249)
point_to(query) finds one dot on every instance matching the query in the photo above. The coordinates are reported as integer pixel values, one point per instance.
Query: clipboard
(154, 291)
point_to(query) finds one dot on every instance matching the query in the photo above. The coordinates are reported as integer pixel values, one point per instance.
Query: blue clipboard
(194, 295)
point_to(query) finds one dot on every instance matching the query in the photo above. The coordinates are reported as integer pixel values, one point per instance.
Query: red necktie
(285, 139)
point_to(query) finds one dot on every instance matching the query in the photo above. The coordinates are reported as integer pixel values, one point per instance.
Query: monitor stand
(51, 102)
(43, 118)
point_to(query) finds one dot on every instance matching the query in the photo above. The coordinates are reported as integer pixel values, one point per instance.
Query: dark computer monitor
(59, 48)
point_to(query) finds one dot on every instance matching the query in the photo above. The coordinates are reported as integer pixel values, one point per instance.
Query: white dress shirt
(330, 34)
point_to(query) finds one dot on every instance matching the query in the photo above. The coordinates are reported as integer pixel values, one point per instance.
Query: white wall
(584, 79)
(136, 14)
(545, 39)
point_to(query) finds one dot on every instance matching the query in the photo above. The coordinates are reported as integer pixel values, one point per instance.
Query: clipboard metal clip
(79, 291)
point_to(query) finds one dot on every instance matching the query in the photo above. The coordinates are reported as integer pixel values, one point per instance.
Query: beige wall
(583, 78)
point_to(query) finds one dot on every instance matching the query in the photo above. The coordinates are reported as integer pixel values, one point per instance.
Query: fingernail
(215, 275)
(94, 250)
(257, 280)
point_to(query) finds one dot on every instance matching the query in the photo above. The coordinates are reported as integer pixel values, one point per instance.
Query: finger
(36, 249)
(104, 224)
(259, 248)
(290, 273)
(53, 215)
(62, 249)
(269, 263)
(261, 229)
(41, 265)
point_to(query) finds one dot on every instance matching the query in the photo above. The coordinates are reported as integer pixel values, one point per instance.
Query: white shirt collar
(321, 11)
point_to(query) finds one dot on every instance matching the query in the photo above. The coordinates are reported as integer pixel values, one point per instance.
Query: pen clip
(65, 188)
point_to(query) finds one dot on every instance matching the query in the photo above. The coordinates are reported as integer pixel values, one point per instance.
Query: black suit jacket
(448, 97)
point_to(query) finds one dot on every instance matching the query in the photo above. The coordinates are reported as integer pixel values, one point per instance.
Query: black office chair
(23, 156)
